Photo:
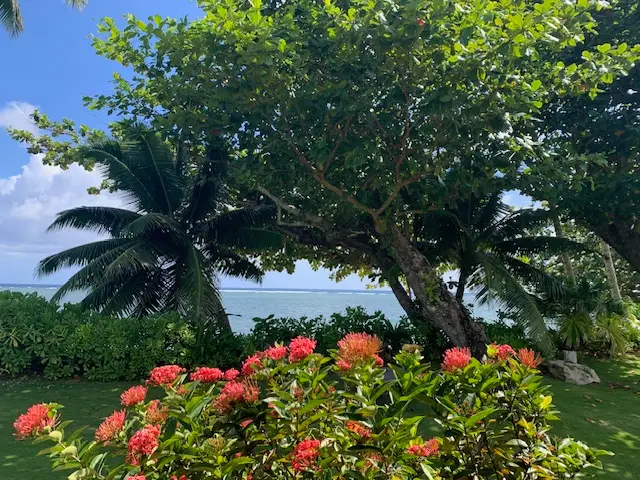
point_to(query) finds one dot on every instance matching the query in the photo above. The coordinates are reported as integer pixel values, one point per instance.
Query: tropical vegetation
(164, 251)
(293, 413)
(11, 17)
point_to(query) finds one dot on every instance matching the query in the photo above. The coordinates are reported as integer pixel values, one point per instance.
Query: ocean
(245, 304)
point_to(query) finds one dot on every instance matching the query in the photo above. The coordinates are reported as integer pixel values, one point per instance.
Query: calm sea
(245, 304)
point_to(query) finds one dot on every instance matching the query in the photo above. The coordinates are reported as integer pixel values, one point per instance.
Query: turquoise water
(244, 305)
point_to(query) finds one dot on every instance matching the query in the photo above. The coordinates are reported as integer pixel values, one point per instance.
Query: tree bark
(566, 260)
(433, 301)
(610, 270)
(625, 239)
(462, 283)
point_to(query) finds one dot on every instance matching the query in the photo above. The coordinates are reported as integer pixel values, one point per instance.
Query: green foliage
(507, 331)
(166, 252)
(308, 417)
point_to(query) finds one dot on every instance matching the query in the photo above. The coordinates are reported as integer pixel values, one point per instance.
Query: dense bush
(297, 414)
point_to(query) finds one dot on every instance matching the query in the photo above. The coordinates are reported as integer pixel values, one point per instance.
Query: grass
(604, 416)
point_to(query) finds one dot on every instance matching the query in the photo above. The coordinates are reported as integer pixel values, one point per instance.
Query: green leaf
(604, 48)
(471, 421)
(535, 85)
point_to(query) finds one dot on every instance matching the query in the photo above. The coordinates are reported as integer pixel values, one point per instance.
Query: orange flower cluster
(143, 442)
(207, 375)
(300, 348)
(277, 352)
(133, 396)
(235, 392)
(252, 364)
(305, 455)
(111, 426)
(427, 449)
(33, 421)
(456, 358)
(156, 413)
(359, 429)
(529, 358)
(358, 348)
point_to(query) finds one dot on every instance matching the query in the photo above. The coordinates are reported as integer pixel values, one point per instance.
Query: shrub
(297, 414)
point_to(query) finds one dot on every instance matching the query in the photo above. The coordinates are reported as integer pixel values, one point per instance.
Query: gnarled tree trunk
(433, 301)
(610, 270)
(624, 238)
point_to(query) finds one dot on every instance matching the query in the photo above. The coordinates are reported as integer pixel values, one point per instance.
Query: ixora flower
(34, 421)
(501, 352)
(137, 477)
(300, 348)
(231, 374)
(427, 449)
(133, 396)
(111, 426)
(277, 352)
(207, 375)
(529, 358)
(165, 375)
(235, 392)
(305, 454)
(143, 442)
(156, 413)
(359, 429)
(252, 364)
(456, 358)
(358, 348)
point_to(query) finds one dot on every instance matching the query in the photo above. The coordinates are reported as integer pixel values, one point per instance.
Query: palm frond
(77, 4)
(234, 265)
(101, 220)
(151, 223)
(205, 193)
(253, 216)
(520, 221)
(500, 285)
(79, 256)
(141, 256)
(250, 240)
(553, 287)
(10, 17)
(493, 209)
(539, 245)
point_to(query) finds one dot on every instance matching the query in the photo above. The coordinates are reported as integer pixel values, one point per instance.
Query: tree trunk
(566, 260)
(462, 283)
(610, 269)
(625, 239)
(433, 301)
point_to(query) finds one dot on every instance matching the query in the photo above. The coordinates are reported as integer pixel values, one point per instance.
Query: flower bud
(70, 451)
(56, 436)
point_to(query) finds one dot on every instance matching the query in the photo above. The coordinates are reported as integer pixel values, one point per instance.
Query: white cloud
(29, 202)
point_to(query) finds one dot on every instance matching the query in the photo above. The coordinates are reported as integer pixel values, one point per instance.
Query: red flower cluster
(501, 352)
(246, 423)
(231, 374)
(300, 348)
(420, 22)
(456, 358)
(137, 477)
(182, 477)
(529, 358)
(357, 348)
(235, 392)
(133, 396)
(156, 413)
(277, 352)
(305, 454)
(252, 364)
(164, 375)
(359, 429)
(111, 426)
(427, 449)
(33, 421)
(207, 375)
(143, 442)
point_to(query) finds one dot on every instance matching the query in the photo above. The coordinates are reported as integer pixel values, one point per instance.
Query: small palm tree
(489, 245)
(11, 18)
(165, 252)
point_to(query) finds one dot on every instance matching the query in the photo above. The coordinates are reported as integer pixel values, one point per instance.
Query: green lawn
(606, 416)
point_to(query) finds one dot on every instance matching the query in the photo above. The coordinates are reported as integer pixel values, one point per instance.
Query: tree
(490, 246)
(11, 18)
(165, 252)
(595, 178)
(353, 117)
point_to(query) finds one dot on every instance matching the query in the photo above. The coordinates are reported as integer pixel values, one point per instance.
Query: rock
(571, 372)
(570, 356)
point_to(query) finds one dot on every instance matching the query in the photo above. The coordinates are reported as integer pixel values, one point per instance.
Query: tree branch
(314, 219)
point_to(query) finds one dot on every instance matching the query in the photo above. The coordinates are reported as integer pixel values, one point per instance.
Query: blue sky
(51, 66)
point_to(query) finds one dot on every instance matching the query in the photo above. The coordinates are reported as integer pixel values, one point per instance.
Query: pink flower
(156, 413)
(277, 352)
(420, 22)
(246, 423)
(344, 365)
(235, 392)
(529, 358)
(207, 375)
(358, 348)
(426, 449)
(456, 358)
(182, 477)
(359, 429)
(501, 352)
(111, 426)
(143, 442)
(165, 375)
(378, 360)
(305, 455)
(133, 396)
(137, 477)
(231, 374)
(34, 421)
(300, 348)
(252, 364)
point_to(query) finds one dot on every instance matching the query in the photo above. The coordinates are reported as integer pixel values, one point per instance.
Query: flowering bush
(296, 414)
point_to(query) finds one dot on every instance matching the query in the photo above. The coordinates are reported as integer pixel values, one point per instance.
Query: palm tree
(11, 18)
(489, 245)
(164, 252)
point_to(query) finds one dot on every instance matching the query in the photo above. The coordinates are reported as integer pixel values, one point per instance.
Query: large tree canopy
(358, 117)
